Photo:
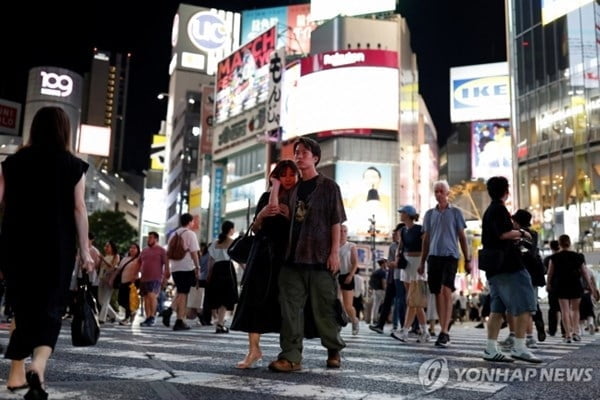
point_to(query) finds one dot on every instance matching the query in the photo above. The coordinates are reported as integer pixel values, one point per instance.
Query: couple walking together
(293, 262)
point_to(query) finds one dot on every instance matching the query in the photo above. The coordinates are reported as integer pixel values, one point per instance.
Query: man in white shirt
(185, 272)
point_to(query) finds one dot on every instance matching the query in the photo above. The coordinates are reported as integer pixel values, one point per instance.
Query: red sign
(349, 58)
(234, 67)
(8, 117)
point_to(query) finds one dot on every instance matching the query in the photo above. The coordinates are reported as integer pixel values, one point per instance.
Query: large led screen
(348, 91)
(326, 9)
(367, 195)
(242, 77)
(492, 151)
(293, 25)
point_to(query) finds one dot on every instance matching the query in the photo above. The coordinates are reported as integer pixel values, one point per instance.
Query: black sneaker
(180, 326)
(166, 317)
(376, 328)
(443, 340)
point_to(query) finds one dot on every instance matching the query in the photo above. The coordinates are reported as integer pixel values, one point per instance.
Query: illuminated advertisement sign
(217, 205)
(10, 115)
(366, 192)
(491, 150)
(479, 92)
(348, 91)
(201, 37)
(293, 20)
(275, 97)
(327, 9)
(94, 140)
(207, 116)
(553, 9)
(243, 77)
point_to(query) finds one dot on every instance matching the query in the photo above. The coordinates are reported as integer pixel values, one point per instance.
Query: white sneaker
(524, 356)
(531, 343)
(423, 337)
(355, 327)
(400, 335)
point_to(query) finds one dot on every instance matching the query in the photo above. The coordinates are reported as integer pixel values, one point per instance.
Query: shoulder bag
(490, 260)
(401, 262)
(85, 328)
(239, 249)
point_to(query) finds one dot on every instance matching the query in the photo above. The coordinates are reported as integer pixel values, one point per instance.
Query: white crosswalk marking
(171, 365)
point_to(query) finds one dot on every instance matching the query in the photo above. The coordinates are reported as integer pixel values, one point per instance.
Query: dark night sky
(63, 34)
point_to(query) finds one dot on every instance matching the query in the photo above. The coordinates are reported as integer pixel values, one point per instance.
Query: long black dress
(258, 309)
(39, 242)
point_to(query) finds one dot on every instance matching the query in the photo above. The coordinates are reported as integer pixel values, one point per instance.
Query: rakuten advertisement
(243, 77)
(345, 92)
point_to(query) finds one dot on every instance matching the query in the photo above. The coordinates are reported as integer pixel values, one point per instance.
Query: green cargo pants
(296, 284)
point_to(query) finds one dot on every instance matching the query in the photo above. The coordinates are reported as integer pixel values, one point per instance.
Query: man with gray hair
(443, 228)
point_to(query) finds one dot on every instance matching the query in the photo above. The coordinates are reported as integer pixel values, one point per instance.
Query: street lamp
(162, 95)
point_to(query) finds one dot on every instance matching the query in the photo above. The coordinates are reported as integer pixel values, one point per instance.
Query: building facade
(553, 53)
(357, 94)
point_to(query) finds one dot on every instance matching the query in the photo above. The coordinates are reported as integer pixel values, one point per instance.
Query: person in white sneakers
(411, 238)
(511, 290)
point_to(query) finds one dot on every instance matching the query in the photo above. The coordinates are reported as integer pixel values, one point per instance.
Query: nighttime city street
(209, 182)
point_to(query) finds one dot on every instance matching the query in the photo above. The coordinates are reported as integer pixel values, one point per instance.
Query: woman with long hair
(221, 290)
(109, 264)
(38, 281)
(258, 311)
(127, 272)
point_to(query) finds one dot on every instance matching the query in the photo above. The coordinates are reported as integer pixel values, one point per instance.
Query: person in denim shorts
(510, 289)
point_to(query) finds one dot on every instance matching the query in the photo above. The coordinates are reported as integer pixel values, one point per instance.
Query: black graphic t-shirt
(305, 189)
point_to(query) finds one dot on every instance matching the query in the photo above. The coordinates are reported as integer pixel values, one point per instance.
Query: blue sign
(255, 22)
(217, 203)
(480, 92)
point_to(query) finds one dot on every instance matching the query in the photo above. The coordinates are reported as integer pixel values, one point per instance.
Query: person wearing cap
(510, 287)
(411, 240)
(443, 229)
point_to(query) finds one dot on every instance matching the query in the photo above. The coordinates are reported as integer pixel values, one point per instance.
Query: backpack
(175, 250)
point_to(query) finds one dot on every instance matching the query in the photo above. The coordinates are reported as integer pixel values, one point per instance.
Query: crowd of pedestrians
(301, 279)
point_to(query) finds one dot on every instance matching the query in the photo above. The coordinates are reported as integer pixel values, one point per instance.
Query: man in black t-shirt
(312, 261)
(510, 288)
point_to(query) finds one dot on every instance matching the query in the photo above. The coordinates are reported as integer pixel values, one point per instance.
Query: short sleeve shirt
(443, 227)
(190, 244)
(154, 260)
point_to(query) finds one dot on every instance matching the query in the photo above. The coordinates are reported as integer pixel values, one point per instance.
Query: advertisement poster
(293, 24)
(367, 194)
(243, 77)
(491, 151)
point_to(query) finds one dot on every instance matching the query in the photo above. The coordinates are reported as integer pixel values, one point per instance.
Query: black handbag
(239, 249)
(85, 328)
(491, 260)
(402, 262)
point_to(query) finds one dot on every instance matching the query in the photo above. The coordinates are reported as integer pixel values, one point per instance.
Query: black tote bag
(85, 328)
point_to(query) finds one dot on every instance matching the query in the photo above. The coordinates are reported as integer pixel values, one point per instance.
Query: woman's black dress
(39, 242)
(258, 309)
(566, 282)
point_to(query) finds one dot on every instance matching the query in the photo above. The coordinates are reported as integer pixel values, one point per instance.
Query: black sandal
(15, 388)
(36, 392)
